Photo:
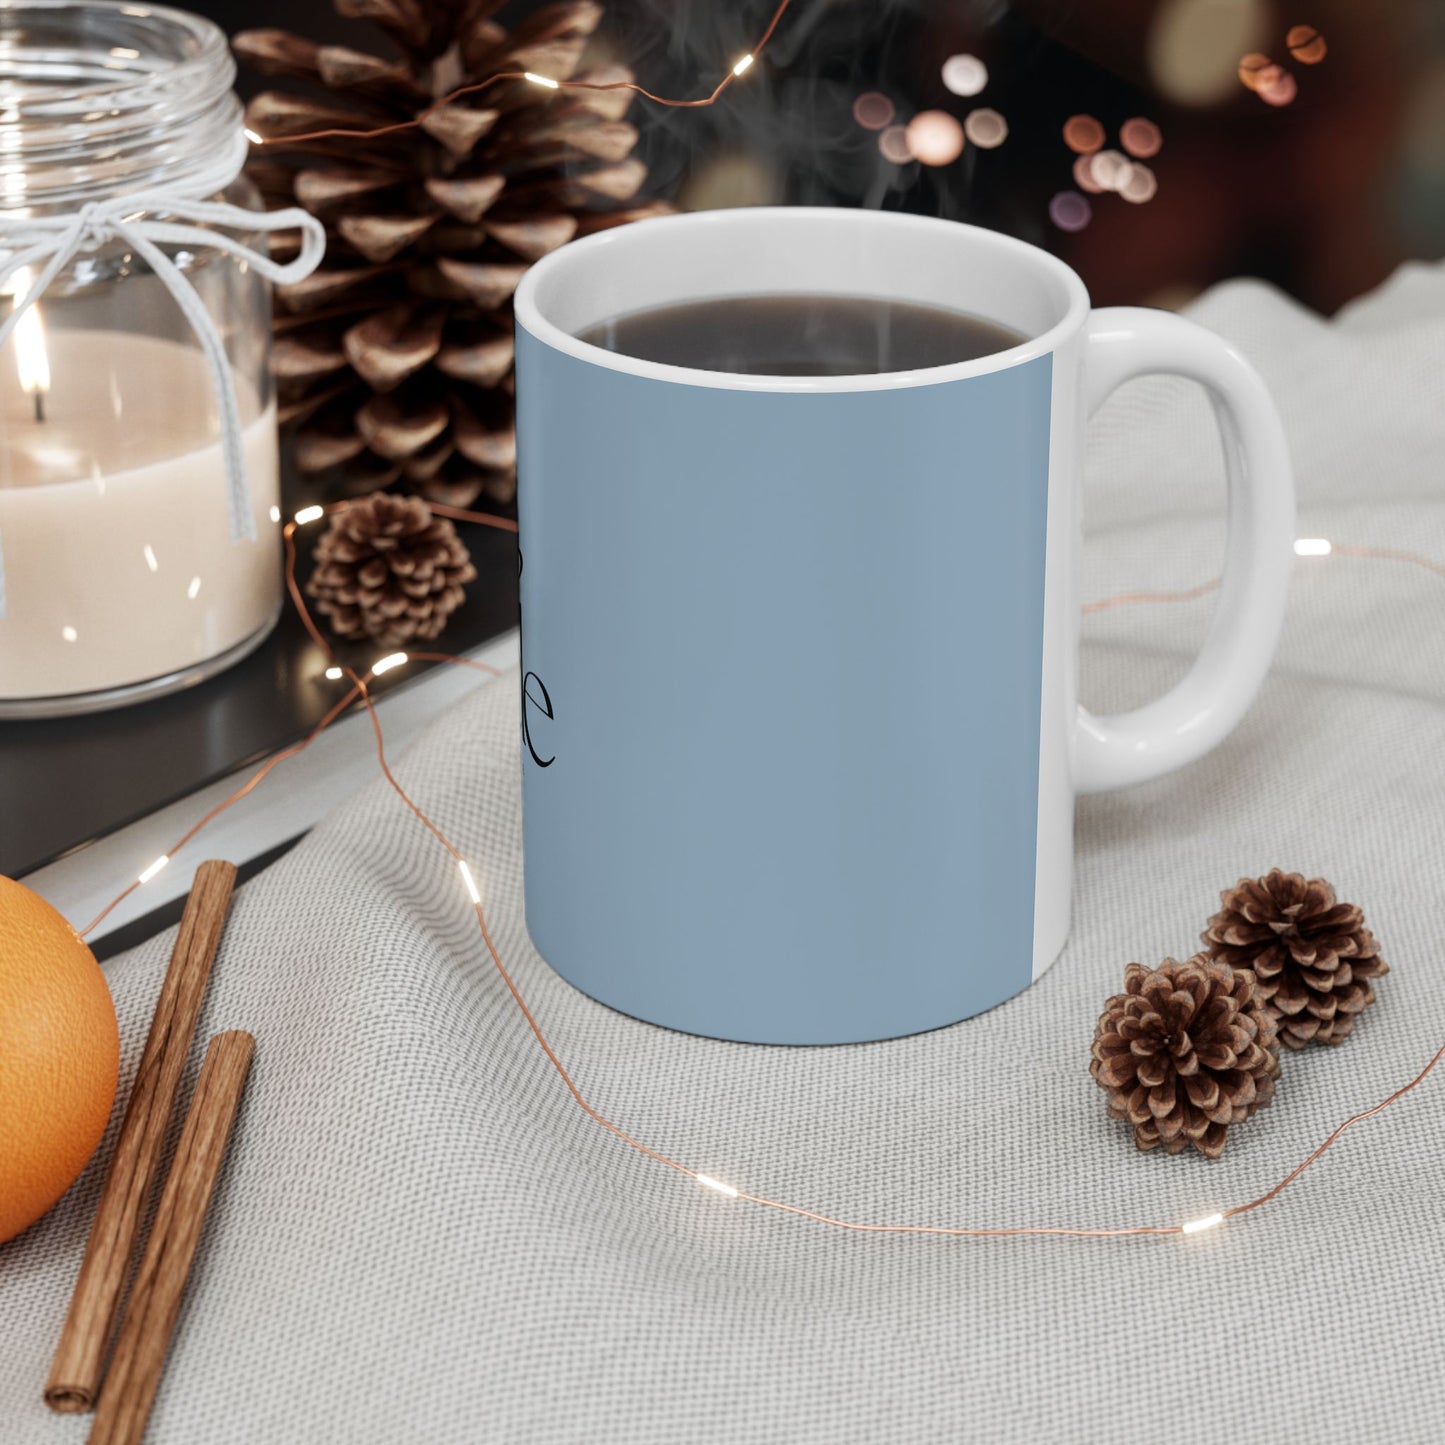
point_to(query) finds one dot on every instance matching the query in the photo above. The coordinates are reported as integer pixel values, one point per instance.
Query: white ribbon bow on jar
(52, 242)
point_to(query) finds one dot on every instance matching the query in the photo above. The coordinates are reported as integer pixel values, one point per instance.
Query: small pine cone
(1313, 957)
(1185, 1051)
(387, 569)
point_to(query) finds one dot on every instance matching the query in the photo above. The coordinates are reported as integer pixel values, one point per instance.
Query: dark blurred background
(1319, 167)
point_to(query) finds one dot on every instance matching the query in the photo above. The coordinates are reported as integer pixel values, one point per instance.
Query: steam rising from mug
(791, 135)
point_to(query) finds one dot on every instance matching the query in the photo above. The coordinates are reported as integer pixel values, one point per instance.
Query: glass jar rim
(120, 97)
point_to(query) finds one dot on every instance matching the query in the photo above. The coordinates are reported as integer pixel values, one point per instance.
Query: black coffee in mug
(801, 335)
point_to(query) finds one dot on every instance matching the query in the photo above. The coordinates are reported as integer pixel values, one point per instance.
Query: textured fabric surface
(419, 1237)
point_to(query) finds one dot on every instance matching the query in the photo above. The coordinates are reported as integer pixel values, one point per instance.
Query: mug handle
(1123, 342)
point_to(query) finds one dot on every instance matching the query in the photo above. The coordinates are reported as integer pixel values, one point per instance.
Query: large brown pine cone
(388, 570)
(394, 360)
(1313, 957)
(1187, 1050)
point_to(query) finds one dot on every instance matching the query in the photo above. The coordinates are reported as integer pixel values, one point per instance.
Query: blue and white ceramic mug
(801, 737)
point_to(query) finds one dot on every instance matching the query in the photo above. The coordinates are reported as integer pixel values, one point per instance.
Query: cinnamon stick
(155, 1298)
(79, 1362)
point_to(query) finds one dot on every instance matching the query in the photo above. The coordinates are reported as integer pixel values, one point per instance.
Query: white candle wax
(119, 562)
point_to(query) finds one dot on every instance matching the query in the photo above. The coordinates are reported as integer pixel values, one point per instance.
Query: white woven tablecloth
(419, 1237)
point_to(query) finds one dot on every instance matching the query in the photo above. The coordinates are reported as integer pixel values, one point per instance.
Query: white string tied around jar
(52, 242)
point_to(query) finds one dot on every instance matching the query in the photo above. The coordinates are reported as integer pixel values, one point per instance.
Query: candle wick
(39, 404)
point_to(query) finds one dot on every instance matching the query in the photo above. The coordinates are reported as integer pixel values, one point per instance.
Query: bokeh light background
(1157, 145)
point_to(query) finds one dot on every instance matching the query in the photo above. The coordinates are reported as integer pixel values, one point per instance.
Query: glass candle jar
(128, 568)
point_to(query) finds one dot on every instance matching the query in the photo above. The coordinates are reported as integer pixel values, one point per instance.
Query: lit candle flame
(32, 361)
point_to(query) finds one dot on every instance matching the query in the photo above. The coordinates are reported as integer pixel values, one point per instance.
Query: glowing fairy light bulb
(708, 1182)
(1306, 44)
(1279, 89)
(1083, 134)
(1140, 138)
(471, 882)
(873, 110)
(309, 514)
(1111, 170)
(742, 65)
(1198, 1226)
(543, 80)
(148, 873)
(333, 674)
(893, 145)
(256, 140)
(385, 664)
(1070, 211)
(985, 128)
(1140, 185)
(934, 137)
(32, 360)
(1312, 547)
(964, 74)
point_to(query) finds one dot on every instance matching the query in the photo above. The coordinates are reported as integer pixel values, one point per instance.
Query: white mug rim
(529, 312)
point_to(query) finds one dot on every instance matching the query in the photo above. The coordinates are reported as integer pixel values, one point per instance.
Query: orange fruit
(59, 1056)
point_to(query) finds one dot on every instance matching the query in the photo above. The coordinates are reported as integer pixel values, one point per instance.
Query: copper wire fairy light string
(1387, 554)
(360, 690)
(563, 1073)
(254, 781)
(1348, 1124)
(1130, 599)
(501, 523)
(546, 81)
(1322, 548)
